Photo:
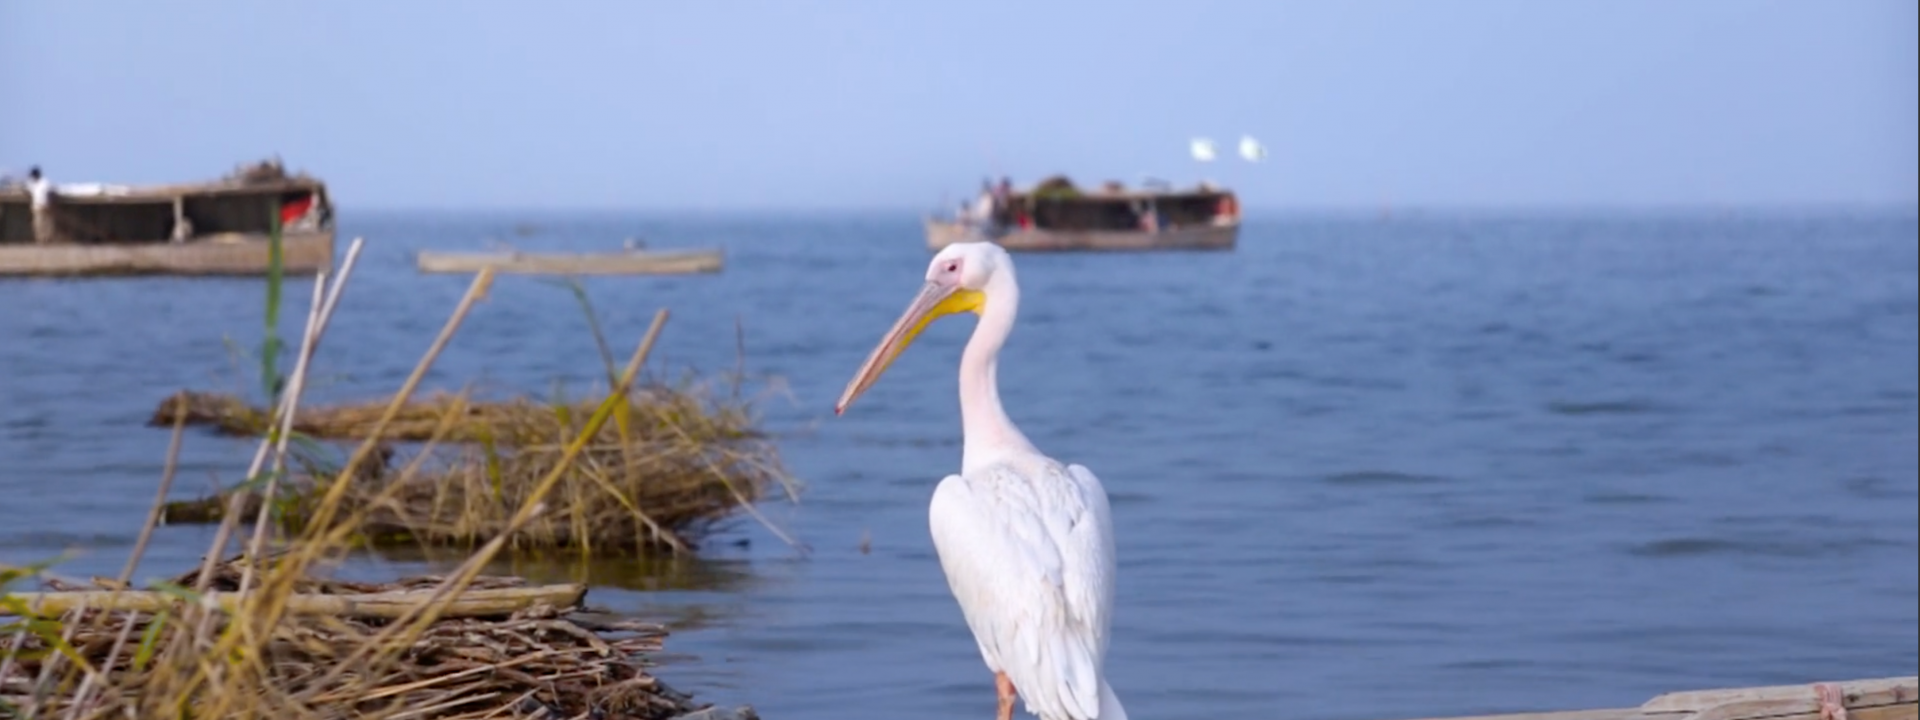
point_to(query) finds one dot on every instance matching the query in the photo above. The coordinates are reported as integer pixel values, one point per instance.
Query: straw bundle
(675, 468)
(268, 639)
(537, 661)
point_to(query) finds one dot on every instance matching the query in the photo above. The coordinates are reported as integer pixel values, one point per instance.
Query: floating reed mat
(499, 648)
(660, 476)
(654, 412)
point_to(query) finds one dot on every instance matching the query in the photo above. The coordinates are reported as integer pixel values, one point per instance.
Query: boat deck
(941, 233)
(301, 254)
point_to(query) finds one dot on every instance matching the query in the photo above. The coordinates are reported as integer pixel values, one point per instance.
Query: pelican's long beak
(933, 302)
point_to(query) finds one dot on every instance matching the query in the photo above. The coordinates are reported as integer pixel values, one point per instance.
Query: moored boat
(210, 228)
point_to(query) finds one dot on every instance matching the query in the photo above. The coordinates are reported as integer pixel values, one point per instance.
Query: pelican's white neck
(989, 433)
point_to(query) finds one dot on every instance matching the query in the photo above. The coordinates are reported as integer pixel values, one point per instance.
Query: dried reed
(255, 654)
(679, 465)
(538, 658)
(675, 461)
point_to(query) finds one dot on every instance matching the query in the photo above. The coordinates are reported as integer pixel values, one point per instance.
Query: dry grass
(670, 463)
(674, 465)
(560, 660)
(658, 411)
(254, 657)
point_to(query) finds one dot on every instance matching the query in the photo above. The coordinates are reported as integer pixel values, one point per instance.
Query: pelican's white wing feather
(1027, 546)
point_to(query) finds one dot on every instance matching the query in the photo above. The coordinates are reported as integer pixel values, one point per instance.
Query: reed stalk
(239, 637)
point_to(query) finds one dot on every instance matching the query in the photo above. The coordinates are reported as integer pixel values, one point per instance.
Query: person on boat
(984, 208)
(1148, 216)
(1002, 203)
(42, 194)
(1227, 211)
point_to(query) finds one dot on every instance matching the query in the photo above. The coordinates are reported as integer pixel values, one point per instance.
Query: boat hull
(942, 233)
(624, 263)
(238, 254)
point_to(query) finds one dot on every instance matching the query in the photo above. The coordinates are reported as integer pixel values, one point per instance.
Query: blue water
(1363, 467)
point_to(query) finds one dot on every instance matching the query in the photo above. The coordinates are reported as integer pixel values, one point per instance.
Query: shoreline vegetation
(501, 649)
(259, 629)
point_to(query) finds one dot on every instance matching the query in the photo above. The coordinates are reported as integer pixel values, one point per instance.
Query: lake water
(1363, 467)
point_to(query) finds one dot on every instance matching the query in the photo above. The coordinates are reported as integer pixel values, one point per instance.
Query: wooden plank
(1877, 691)
(1903, 711)
(1891, 698)
(389, 605)
(1795, 709)
(1605, 714)
(1753, 710)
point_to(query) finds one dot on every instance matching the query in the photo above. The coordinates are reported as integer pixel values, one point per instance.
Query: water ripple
(1458, 451)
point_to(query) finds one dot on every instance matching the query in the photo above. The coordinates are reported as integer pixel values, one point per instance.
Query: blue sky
(887, 103)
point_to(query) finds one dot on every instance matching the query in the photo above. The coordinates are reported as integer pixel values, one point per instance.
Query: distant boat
(623, 262)
(219, 227)
(1056, 216)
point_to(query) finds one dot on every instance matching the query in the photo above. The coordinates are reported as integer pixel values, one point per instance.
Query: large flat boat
(1055, 216)
(220, 227)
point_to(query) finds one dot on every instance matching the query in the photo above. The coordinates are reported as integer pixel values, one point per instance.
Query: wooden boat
(624, 262)
(212, 228)
(1892, 698)
(1055, 216)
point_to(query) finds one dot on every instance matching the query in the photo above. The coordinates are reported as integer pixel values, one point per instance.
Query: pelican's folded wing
(1030, 561)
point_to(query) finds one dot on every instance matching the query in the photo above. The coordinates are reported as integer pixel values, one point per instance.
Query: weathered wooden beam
(1603, 714)
(1796, 710)
(1893, 698)
(1858, 693)
(389, 605)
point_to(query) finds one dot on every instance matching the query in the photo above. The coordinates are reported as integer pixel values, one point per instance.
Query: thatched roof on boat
(1056, 187)
(1059, 188)
(260, 173)
(1056, 203)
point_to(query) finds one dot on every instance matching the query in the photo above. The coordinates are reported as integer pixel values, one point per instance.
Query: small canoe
(625, 262)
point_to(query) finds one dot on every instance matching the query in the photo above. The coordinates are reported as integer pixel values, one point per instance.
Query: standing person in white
(41, 192)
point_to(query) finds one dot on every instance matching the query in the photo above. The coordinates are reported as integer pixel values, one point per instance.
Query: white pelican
(1026, 541)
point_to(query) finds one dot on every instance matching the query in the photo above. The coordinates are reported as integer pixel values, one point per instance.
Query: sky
(796, 104)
